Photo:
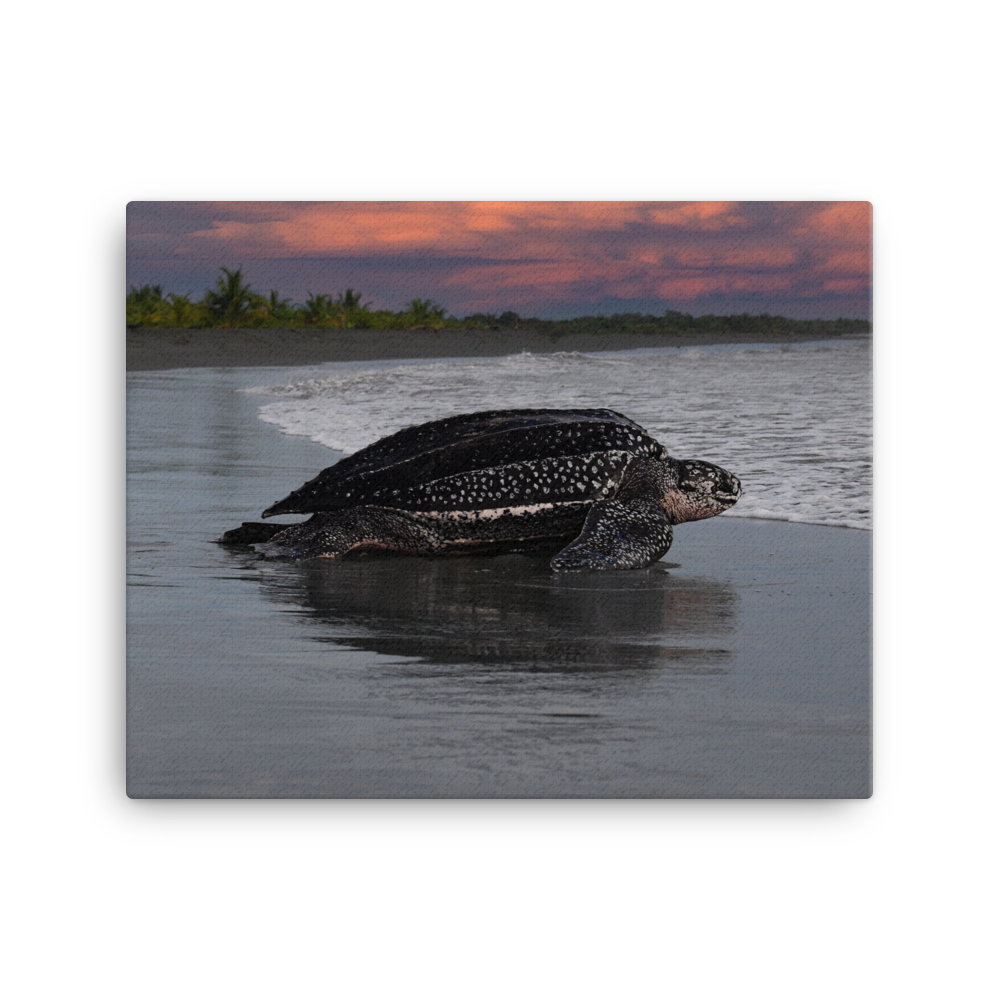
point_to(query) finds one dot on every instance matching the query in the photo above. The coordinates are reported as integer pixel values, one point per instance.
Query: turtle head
(698, 490)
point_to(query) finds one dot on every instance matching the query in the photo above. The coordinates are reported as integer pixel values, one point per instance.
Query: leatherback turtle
(591, 485)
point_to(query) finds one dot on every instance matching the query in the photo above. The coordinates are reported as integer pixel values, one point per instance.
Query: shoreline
(159, 348)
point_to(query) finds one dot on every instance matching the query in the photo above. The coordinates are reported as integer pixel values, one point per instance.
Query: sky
(554, 260)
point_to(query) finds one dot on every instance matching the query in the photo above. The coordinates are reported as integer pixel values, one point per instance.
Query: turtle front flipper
(355, 530)
(618, 535)
(627, 531)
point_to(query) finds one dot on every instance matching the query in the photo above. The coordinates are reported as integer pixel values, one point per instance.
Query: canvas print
(499, 499)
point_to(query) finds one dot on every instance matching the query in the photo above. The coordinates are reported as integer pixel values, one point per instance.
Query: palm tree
(354, 312)
(183, 312)
(145, 306)
(278, 308)
(351, 300)
(231, 298)
(424, 312)
(267, 309)
(322, 309)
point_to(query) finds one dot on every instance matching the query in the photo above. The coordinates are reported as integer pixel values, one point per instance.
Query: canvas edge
(104, 587)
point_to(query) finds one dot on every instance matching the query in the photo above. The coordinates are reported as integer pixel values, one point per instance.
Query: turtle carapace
(590, 485)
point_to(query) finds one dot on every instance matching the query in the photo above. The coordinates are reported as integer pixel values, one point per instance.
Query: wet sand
(739, 666)
(158, 349)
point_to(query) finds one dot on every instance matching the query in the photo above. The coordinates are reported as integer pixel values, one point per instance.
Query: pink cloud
(851, 220)
(558, 251)
(689, 288)
(849, 262)
(711, 215)
(507, 229)
(846, 286)
(761, 256)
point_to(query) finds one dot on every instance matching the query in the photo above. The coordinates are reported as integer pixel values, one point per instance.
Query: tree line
(232, 304)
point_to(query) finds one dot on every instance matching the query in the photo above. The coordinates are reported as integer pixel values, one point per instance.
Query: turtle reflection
(512, 611)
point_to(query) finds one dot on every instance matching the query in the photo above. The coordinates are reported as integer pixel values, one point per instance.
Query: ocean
(794, 423)
(739, 665)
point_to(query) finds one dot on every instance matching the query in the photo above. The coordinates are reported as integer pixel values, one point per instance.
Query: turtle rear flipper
(628, 531)
(357, 529)
(250, 533)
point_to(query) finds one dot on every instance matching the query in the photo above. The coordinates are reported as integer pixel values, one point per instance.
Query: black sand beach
(737, 667)
(154, 349)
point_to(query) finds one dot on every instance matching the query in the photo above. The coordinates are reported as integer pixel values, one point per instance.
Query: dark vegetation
(233, 304)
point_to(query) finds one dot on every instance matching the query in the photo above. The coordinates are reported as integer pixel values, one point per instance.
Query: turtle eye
(689, 487)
